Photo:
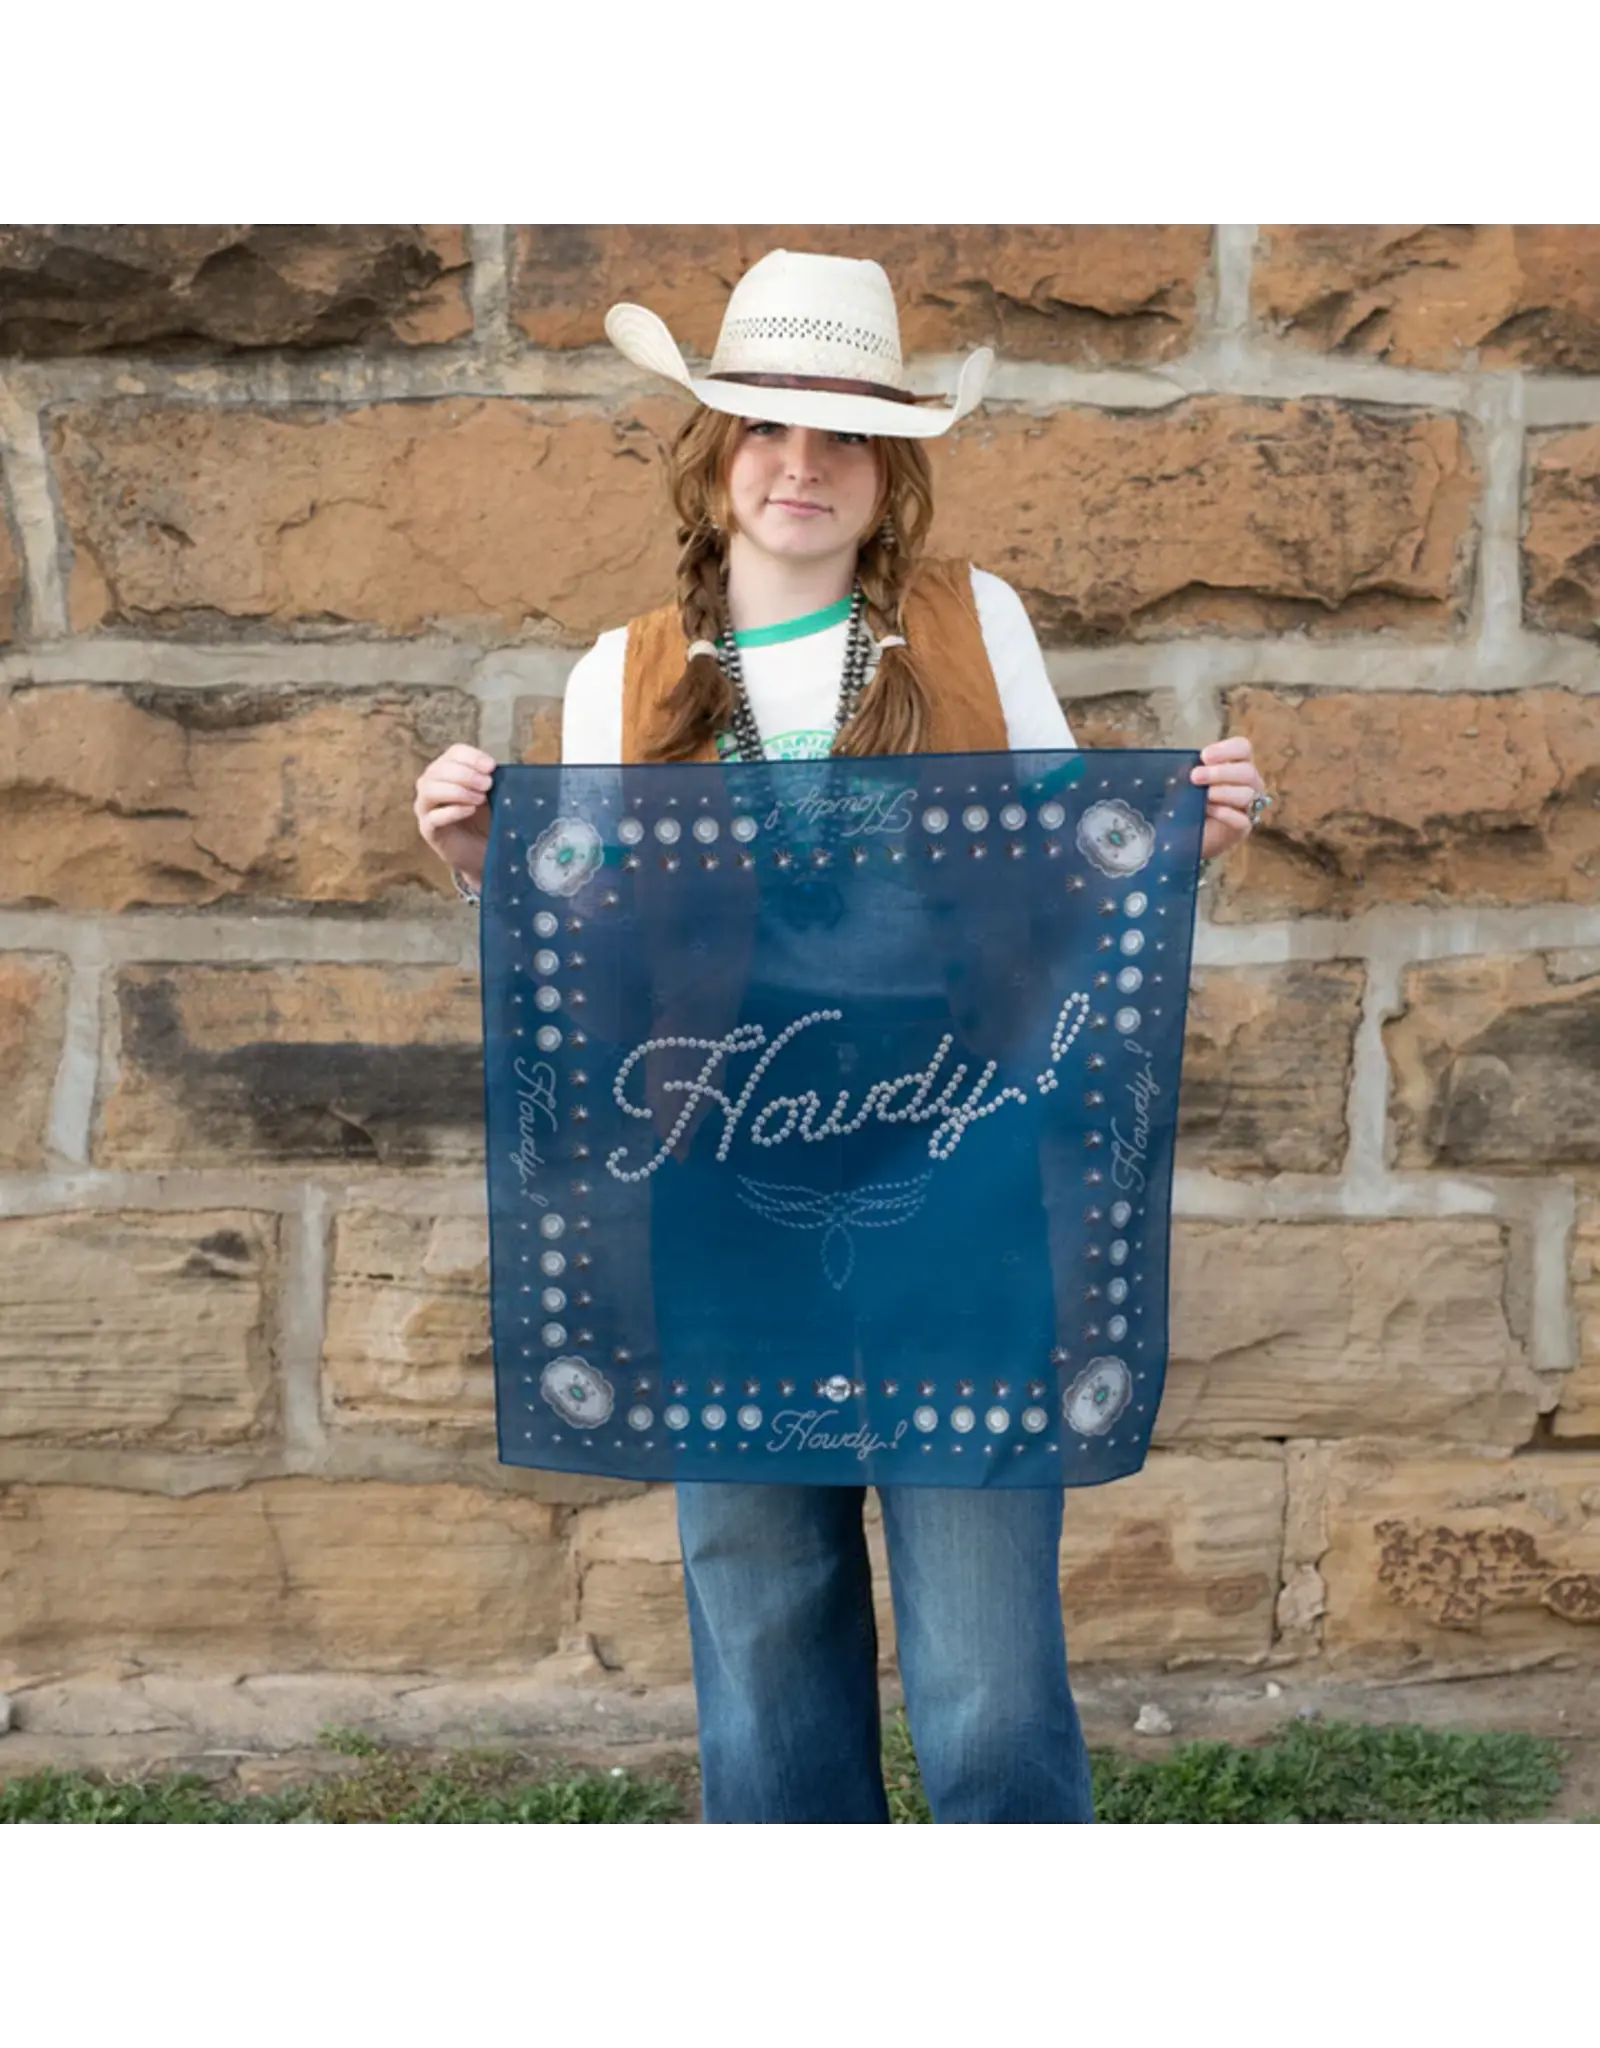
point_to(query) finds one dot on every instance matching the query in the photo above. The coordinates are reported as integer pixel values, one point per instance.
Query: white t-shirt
(793, 685)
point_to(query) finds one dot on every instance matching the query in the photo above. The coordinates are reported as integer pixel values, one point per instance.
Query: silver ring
(1260, 804)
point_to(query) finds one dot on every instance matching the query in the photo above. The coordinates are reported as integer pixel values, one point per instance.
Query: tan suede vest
(942, 632)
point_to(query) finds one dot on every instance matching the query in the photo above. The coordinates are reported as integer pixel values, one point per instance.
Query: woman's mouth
(798, 507)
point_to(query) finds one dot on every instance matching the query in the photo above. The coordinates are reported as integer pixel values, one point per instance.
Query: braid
(701, 701)
(893, 715)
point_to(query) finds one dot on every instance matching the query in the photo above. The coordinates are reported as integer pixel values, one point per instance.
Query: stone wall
(287, 509)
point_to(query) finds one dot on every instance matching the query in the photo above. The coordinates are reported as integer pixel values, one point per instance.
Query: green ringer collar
(796, 629)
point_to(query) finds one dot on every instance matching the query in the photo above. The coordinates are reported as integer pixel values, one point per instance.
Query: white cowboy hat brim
(644, 338)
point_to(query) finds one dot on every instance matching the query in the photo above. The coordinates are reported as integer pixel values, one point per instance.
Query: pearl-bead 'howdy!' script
(947, 1096)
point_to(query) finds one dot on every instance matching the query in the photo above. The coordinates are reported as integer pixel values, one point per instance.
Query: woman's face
(800, 493)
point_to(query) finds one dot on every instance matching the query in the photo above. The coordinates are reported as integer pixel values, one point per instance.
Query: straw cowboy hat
(808, 341)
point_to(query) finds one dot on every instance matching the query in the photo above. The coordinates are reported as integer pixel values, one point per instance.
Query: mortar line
(1204, 1197)
(241, 938)
(347, 664)
(1498, 598)
(489, 289)
(497, 718)
(38, 530)
(72, 1099)
(1407, 934)
(1367, 1105)
(1519, 660)
(302, 1316)
(1199, 716)
(1561, 401)
(1233, 261)
(275, 1190)
(1222, 361)
(534, 672)
(353, 1452)
(1553, 1324)
(445, 938)
(1200, 1195)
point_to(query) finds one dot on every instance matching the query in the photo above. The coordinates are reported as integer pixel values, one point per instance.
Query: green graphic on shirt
(787, 746)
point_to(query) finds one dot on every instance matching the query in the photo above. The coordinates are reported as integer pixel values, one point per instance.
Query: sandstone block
(1436, 298)
(283, 1575)
(179, 290)
(110, 800)
(33, 1009)
(630, 1574)
(536, 730)
(407, 1337)
(1454, 1557)
(347, 1064)
(135, 1328)
(1088, 295)
(496, 516)
(1561, 530)
(1125, 718)
(1182, 1559)
(1266, 1066)
(1219, 514)
(491, 516)
(1385, 797)
(1344, 1329)
(1495, 1063)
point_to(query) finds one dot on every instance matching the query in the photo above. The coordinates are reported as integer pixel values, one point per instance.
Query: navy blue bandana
(831, 1109)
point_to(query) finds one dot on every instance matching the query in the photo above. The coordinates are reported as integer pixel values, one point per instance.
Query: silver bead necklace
(852, 681)
(810, 897)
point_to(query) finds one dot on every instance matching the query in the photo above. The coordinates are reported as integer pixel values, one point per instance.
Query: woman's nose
(803, 446)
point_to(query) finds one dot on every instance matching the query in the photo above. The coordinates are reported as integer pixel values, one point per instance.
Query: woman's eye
(765, 428)
(852, 440)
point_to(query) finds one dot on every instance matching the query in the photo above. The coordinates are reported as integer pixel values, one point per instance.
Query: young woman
(809, 621)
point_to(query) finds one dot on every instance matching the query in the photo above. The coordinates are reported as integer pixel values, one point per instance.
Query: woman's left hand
(1232, 782)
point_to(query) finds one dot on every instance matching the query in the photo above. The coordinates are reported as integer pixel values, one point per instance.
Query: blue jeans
(786, 1652)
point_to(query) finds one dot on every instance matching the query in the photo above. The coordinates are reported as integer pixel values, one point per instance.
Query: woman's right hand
(452, 809)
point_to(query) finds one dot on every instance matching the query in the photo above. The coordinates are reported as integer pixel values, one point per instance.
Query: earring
(888, 540)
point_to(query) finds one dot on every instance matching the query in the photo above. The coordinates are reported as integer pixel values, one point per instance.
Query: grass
(350, 1742)
(389, 1785)
(1337, 1773)
(1311, 1771)
(87, 1797)
(1316, 1772)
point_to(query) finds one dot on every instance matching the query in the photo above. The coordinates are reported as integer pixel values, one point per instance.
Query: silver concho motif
(576, 1392)
(565, 856)
(1097, 1396)
(1116, 837)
